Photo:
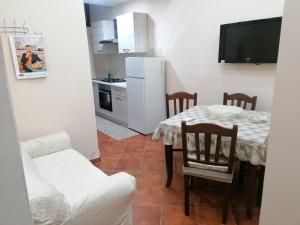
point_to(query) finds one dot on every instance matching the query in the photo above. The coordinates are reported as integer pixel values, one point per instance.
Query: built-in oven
(105, 97)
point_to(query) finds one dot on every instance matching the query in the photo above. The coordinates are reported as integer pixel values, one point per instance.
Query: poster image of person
(29, 56)
(30, 61)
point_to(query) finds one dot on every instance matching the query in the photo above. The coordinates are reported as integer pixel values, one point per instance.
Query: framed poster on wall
(28, 56)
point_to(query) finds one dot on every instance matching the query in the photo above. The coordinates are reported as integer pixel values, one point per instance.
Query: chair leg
(169, 164)
(226, 203)
(251, 185)
(191, 183)
(242, 173)
(186, 195)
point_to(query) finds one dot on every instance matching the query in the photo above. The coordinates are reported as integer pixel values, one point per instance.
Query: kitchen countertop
(118, 84)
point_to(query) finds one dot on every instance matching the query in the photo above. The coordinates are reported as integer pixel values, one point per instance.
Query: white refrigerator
(145, 78)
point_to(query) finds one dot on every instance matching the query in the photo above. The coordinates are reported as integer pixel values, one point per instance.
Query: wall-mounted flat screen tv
(254, 41)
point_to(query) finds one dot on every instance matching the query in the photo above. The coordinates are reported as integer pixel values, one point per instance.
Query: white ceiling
(106, 2)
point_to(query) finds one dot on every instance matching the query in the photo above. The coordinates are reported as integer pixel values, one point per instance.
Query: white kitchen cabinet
(119, 104)
(133, 33)
(119, 91)
(104, 31)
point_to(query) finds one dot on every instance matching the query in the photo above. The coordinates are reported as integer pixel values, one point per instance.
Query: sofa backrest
(47, 144)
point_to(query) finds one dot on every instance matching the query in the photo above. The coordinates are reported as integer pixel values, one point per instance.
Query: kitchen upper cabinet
(133, 33)
(104, 37)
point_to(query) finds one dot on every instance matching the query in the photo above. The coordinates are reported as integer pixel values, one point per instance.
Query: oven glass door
(105, 99)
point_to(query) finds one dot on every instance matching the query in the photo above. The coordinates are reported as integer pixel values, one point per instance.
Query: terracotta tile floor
(154, 204)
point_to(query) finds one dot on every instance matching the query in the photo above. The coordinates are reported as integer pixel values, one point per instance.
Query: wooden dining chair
(240, 100)
(205, 163)
(183, 99)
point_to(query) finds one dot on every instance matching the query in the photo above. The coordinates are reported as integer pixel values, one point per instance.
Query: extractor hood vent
(105, 31)
(113, 41)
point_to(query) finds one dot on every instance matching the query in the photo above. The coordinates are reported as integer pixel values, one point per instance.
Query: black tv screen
(254, 41)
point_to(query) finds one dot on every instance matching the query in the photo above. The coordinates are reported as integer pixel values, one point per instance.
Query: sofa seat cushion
(70, 173)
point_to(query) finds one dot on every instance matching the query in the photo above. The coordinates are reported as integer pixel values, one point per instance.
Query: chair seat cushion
(208, 174)
(222, 159)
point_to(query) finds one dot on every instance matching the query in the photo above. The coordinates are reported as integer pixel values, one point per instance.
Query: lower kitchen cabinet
(119, 104)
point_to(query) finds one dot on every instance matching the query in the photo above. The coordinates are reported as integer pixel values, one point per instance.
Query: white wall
(281, 198)
(63, 101)
(91, 52)
(186, 33)
(14, 206)
(99, 12)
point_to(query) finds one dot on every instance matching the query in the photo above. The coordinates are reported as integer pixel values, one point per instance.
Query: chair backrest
(206, 156)
(180, 97)
(241, 100)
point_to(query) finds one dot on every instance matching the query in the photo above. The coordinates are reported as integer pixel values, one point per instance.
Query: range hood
(106, 30)
(112, 41)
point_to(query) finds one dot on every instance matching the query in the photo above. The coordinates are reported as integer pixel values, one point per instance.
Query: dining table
(251, 144)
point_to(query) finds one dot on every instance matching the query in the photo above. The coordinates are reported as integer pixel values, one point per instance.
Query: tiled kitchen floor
(154, 204)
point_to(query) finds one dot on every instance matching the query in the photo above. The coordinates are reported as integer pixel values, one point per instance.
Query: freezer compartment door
(135, 67)
(136, 104)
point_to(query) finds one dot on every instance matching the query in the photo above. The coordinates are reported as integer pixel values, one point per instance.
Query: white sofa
(65, 188)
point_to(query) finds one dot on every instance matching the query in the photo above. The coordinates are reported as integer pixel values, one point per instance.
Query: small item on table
(225, 110)
(258, 119)
(188, 119)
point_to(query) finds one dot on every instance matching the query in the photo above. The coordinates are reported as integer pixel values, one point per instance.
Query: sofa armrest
(108, 201)
(47, 144)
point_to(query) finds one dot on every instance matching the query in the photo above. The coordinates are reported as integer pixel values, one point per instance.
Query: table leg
(242, 172)
(260, 186)
(251, 184)
(169, 164)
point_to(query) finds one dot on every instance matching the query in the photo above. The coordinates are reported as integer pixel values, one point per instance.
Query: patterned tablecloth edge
(245, 151)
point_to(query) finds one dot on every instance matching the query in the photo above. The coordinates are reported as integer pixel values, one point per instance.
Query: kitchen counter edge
(119, 84)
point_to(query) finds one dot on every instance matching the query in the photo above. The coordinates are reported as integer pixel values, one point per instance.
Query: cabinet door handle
(126, 50)
(117, 98)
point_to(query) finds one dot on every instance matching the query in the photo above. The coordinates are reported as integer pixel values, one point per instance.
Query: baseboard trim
(96, 160)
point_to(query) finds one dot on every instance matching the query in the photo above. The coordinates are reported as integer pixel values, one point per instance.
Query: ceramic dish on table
(225, 110)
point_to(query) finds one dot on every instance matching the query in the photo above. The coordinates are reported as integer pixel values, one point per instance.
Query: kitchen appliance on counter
(105, 97)
(113, 80)
(145, 79)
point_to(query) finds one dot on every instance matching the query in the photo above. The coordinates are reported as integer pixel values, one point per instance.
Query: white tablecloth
(252, 136)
